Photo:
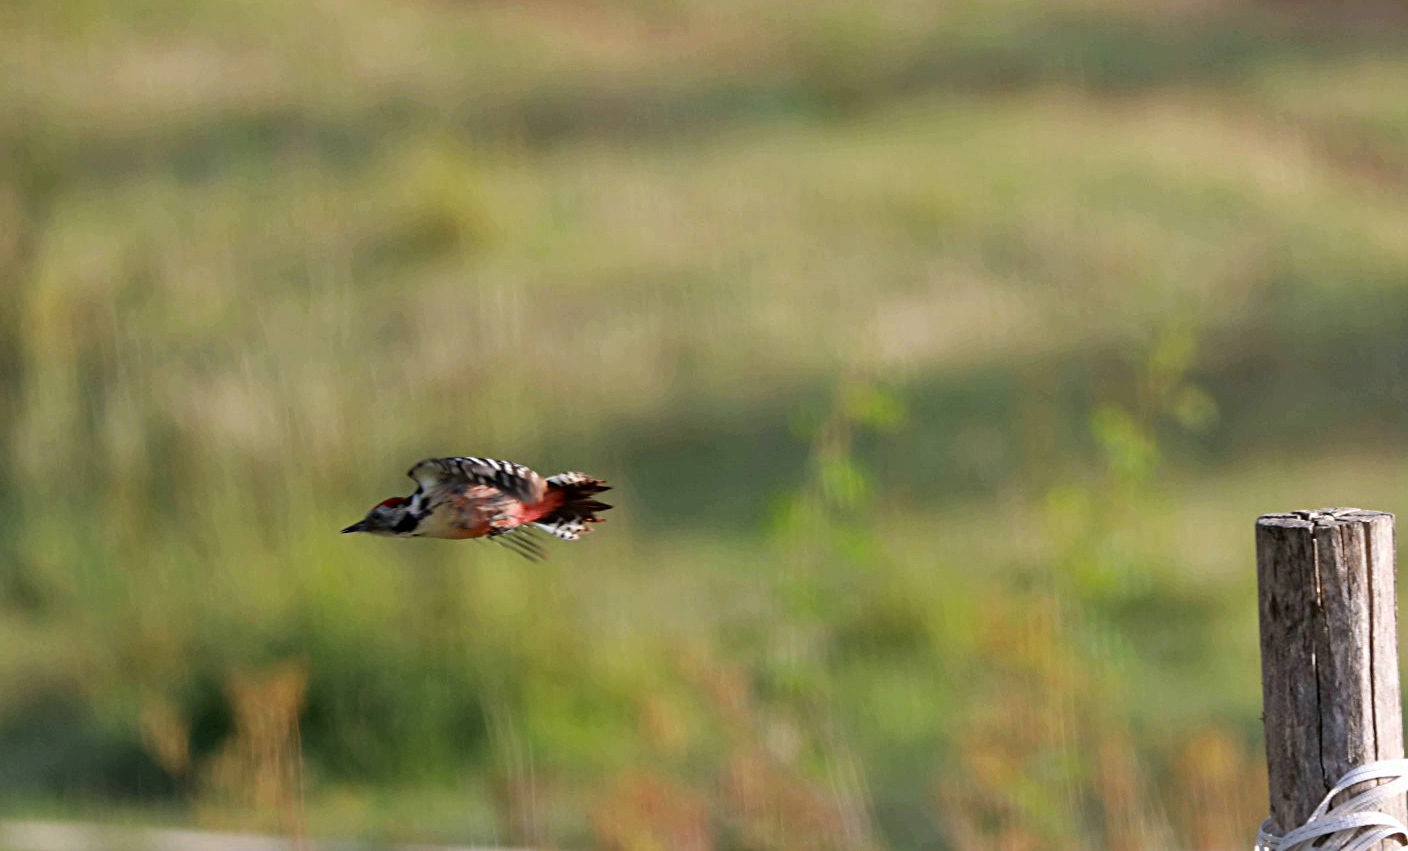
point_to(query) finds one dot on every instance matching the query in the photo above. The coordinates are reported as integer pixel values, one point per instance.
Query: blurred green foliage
(941, 355)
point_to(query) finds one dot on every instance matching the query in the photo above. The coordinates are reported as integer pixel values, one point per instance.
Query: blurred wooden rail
(86, 836)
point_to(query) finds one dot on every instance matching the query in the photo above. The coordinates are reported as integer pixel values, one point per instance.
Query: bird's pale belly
(446, 522)
(472, 520)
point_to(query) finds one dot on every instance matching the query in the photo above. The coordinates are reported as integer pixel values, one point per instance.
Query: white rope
(1353, 824)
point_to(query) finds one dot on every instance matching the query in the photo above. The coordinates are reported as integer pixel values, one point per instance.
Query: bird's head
(389, 517)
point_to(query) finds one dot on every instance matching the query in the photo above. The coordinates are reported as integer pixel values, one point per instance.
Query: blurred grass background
(942, 355)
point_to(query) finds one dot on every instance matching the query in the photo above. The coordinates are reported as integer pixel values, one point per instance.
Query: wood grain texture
(1329, 652)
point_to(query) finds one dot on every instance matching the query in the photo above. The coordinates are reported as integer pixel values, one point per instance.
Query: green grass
(941, 356)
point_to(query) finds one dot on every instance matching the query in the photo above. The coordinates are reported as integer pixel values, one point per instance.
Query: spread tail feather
(572, 518)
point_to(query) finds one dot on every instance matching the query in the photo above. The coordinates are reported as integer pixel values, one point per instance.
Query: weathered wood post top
(1329, 653)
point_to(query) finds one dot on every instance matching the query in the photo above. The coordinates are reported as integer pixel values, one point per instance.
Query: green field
(942, 357)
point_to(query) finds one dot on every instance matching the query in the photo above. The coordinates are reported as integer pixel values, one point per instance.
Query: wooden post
(1329, 653)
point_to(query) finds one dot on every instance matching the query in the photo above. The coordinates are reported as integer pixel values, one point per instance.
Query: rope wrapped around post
(1355, 823)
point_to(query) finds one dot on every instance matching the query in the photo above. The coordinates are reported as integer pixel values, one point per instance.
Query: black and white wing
(524, 541)
(513, 480)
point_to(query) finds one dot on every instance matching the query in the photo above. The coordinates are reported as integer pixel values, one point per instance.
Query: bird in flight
(484, 497)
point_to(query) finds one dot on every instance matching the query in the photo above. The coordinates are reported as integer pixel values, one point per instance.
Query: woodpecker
(484, 497)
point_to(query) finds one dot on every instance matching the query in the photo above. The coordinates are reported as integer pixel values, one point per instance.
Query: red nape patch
(392, 502)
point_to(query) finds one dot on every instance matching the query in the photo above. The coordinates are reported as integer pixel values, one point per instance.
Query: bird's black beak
(359, 526)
